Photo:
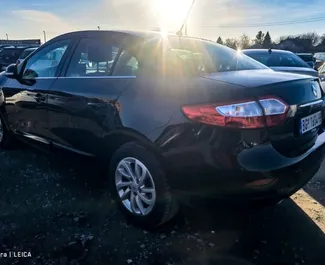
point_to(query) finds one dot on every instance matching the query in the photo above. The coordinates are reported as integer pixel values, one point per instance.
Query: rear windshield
(306, 58)
(200, 56)
(13, 54)
(277, 59)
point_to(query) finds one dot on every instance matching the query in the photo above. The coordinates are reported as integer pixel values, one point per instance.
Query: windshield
(198, 56)
(278, 59)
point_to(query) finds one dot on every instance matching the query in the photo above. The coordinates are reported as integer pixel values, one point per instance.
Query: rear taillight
(268, 111)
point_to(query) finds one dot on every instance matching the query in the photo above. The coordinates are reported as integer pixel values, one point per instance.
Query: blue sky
(28, 19)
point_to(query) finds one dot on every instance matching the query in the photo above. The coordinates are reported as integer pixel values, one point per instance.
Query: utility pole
(7, 36)
(44, 36)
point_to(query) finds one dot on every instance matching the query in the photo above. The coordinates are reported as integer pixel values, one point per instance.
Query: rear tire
(6, 140)
(140, 187)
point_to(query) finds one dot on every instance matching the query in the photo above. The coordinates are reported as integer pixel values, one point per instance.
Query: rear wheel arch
(115, 139)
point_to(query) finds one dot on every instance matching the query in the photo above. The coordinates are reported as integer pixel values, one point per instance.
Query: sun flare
(170, 14)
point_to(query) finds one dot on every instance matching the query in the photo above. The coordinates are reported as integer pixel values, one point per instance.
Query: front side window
(93, 57)
(45, 63)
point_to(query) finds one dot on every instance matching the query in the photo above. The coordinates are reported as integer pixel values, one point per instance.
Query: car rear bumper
(260, 172)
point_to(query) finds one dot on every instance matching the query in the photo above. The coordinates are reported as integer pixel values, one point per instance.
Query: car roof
(301, 53)
(135, 34)
(265, 51)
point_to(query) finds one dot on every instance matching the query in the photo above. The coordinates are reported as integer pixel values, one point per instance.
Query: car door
(83, 102)
(26, 96)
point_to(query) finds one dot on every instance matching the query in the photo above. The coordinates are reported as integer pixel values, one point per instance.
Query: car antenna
(180, 32)
(270, 51)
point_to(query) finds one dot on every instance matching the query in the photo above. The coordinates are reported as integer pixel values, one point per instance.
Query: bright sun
(170, 14)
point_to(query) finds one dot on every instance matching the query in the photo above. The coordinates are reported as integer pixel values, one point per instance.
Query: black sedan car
(281, 60)
(167, 114)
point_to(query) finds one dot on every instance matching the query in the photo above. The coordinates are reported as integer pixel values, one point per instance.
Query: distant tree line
(307, 42)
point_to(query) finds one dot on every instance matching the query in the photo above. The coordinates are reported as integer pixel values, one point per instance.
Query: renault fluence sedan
(166, 114)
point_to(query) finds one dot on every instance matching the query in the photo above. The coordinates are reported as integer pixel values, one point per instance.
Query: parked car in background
(320, 59)
(320, 56)
(4, 46)
(321, 73)
(24, 54)
(280, 60)
(318, 64)
(169, 114)
(10, 55)
(308, 58)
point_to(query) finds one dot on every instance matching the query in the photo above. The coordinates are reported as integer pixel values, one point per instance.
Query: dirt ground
(58, 209)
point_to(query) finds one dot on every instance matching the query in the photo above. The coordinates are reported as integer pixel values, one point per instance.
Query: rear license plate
(310, 122)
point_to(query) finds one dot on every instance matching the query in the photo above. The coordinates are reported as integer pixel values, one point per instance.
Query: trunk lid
(303, 94)
(297, 70)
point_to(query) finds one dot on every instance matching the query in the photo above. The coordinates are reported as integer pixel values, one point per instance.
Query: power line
(268, 24)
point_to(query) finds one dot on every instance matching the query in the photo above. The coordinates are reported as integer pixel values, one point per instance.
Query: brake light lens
(250, 114)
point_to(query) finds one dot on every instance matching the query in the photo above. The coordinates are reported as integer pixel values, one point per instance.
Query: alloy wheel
(135, 186)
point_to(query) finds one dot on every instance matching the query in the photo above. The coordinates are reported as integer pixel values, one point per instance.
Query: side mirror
(11, 71)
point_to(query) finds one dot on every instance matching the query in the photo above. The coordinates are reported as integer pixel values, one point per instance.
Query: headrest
(99, 52)
(81, 69)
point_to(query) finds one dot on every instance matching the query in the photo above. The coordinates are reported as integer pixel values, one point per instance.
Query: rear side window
(93, 57)
(126, 65)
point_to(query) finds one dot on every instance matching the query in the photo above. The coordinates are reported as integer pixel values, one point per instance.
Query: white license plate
(310, 122)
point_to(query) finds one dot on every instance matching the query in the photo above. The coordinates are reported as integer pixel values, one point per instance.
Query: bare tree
(313, 37)
(232, 43)
(244, 42)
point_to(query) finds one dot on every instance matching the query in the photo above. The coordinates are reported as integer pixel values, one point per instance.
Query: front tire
(140, 186)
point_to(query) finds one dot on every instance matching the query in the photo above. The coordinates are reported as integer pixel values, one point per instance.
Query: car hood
(254, 78)
(297, 70)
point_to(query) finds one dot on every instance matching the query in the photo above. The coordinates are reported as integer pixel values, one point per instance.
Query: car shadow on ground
(60, 210)
(316, 187)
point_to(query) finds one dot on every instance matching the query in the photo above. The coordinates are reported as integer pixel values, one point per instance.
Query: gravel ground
(58, 209)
